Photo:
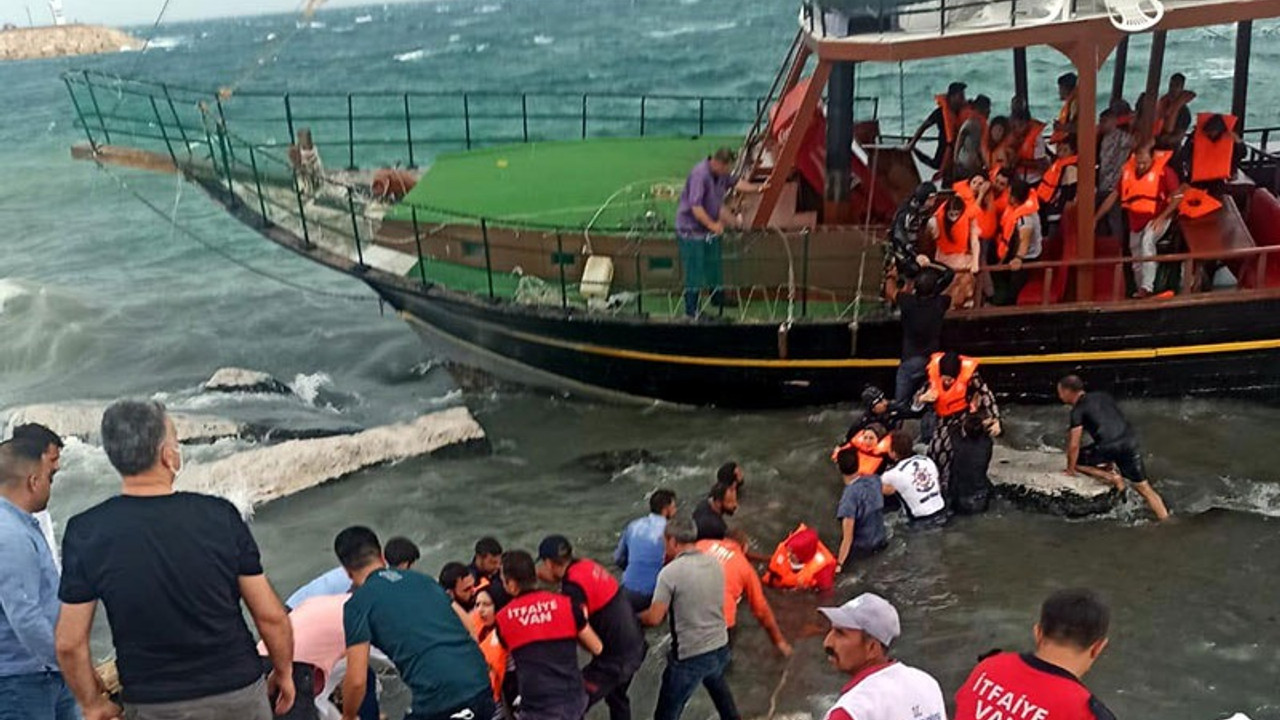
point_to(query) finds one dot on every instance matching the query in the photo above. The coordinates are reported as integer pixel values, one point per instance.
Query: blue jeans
(911, 375)
(681, 678)
(36, 696)
(701, 258)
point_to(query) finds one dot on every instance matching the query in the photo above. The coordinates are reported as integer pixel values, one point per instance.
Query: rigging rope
(307, 11)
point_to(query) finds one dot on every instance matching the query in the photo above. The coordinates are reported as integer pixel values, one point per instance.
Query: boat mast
(1240, 77)
(1117, 72)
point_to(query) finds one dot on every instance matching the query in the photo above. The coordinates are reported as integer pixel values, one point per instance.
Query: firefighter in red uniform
(1070, 636)
(589, 585)
(543, 630)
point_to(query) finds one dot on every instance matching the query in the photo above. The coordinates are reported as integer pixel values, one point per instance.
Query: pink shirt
(318, 637)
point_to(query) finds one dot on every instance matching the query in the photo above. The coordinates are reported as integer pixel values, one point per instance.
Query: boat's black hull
(1220, 348)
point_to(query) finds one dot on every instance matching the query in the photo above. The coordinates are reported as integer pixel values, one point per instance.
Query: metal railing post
(804, 276)
(302, 211)
(639, 283)
(642, 104)
(702, 115)
(408, 131)
(186, 142)
(417, 240)
(942, 17)
(564, 291)
(351, 135)
(163, 133)
(466, 118)
(584, 116)
(222, 120)
(93, 144)
(524, 115)
(488, 259)
(257, 182)
(97, 109)
(226, 163)
(288, 119)
(355, 226)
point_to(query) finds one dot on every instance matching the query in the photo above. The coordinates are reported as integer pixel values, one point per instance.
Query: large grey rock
(240, 380)
(1036, 480)
(252, 478)
(83, 420)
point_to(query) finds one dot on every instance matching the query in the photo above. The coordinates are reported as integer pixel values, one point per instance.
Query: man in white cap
(881, 688)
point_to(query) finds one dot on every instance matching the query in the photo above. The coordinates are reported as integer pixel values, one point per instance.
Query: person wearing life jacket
(1209, 159)
(486, 568)
(955, 389)
(502, 673)
(1031, 154)
(1150, 193)
(860, 510)
(971, 149)
(871, 445)
(1172, 118)
(460, 586)
(801, 562)
(1070, 636)
(998, 144)
(946, 117)
(608, 612)
(879, 688)
(1058, 186)
(878, 409)
(954, 232)
(985, 203)
(740, 579)
(1065, 124)
(542, 631)
(1021, 239)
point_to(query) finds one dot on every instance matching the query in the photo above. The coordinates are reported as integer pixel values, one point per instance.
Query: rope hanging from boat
(902, 103)
(307, 11)
(862, 263)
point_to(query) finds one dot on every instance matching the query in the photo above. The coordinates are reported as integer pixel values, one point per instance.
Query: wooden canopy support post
(1240, 80)
(840, 93)
(786, 160)
(1117, 73)
(1156, 66)
(1020, 74)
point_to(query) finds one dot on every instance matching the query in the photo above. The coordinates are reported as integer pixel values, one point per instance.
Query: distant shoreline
(63, 41)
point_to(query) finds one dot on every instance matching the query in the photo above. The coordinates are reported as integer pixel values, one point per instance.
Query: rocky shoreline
(63, 41)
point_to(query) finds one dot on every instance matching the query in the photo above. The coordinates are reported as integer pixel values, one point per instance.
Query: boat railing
(846, 18)
(375, 129)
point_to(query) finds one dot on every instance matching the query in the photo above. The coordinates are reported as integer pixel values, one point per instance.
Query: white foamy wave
(314, 25)
(543, 39)
(364, 19)
(487, 9)
(11, 290)
(412, 55)
(1251, 497)
(454, 38)
(465, 21)
(482, 47)
(271, 36)
(167, 42)
(308, 387)
(450, 398)
(691, 28)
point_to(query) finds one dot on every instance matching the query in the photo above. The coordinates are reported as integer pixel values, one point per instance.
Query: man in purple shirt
(700, 221)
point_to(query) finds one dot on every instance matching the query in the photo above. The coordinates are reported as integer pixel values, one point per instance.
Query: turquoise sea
(100, 298)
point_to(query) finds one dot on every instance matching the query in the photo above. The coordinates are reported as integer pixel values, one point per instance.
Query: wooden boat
(542, 250)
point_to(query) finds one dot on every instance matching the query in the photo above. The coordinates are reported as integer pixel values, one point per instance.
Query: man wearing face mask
(880, 688)
(172, 569)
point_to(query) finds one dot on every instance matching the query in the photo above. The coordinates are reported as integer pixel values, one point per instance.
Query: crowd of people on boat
(498, 636)
(1004, 182)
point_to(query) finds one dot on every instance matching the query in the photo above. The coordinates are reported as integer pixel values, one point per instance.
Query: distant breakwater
(63, 41)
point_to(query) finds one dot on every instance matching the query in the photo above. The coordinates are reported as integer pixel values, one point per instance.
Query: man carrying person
(608, 676)
(880, 687)
(171, 569)
(914, 478)
(691, 590)
(543, 630)
(641, 549)
(878, 410)
(701, 219)
(1114, 442)
(408, 616)
(860, 512)
(740, 579)
(1070, 636)
(31, 686)
(709, 515)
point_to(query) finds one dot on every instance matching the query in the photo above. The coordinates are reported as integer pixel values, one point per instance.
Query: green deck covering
(561, 184)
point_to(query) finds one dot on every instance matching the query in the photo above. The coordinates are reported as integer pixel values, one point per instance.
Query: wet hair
(517, 566)
(1178, 78)
(728, 473)
(902, 444)
(847, 461)
(1019, 190)
(450, 574)
(401, 550)
(949, 365)
(1076, 616)
(660, 500)
(720, 489)
(357, 547)
(132, 432)
(16, 464)
(682, 530)
(956, 88)
(1067, 80)
(1072, 383)
(926, 283)
(488, 546)
(42, 437)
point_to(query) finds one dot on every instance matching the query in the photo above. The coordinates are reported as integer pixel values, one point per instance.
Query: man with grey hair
(31, 688)
(691, 586)
(171, 569)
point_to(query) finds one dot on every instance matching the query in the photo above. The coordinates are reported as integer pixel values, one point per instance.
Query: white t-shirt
(916, 481)
(894, 692)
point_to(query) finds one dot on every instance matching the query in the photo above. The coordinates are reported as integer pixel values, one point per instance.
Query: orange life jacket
(954, 399)
(1062, 126)
(1027, 150)
(1141, 194)
(950, 120)
(780, 573)
(1197, 203)
(495, 656)
(1211, 160)
(956, 240)
(1049, 183)
(1009, 223)
(870, 455)
(988, 218)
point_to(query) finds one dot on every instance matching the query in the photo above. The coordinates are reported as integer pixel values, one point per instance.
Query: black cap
(871, 395)
(956, 88)
(554, 547)
(924, 191)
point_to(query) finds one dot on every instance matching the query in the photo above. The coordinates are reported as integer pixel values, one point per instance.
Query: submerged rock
(613, 461)
(258, 476)
(240, 380)
(1036, 480)
(83, 420)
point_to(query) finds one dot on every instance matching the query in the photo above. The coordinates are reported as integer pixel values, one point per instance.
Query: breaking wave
(690, 29)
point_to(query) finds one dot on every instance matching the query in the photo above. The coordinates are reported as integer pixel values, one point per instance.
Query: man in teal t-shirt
(409, 617)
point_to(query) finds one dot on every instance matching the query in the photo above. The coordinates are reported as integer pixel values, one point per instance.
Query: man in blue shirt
(642, 549)
(31, 687)
(860, 512)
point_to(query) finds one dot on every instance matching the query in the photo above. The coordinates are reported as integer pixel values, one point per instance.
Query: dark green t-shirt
(409, 617)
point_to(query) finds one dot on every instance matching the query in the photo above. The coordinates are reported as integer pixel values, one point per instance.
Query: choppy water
(99, 299)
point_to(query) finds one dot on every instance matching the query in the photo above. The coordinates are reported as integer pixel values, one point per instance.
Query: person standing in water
(1114, 442)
